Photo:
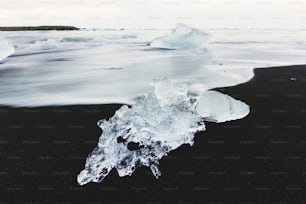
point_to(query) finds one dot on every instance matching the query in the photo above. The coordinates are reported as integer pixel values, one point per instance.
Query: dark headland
(37, 28)
(259, 159)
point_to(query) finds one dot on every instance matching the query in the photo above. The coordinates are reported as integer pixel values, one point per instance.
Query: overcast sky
(155, 13)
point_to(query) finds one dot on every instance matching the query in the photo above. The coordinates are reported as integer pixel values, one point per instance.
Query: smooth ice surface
(115, 66)
(162, 120)
(5, 48)
(182, 37)
(218, 107)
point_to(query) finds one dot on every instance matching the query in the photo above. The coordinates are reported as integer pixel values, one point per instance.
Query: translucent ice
(182, 37)
(5, 48)
(162, 120)
(218, 107)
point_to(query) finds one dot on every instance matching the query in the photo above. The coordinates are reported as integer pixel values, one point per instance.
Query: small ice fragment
(5, 48)
(218, 107)
(182, 37)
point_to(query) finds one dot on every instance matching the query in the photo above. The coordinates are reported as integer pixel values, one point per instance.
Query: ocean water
(116, 66)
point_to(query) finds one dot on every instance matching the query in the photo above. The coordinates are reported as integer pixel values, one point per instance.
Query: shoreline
(260, 156)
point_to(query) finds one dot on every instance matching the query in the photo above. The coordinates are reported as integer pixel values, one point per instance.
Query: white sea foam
(161, 121)
(5, 48)
(94, 67)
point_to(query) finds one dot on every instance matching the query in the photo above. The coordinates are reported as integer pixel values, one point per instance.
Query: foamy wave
(5, 48)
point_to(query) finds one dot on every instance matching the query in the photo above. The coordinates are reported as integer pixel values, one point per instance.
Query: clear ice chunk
(182, 37)
(162, 120)
(219, 108)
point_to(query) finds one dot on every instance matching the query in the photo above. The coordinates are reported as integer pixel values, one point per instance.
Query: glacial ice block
(182, 37)
(160, 121)
(218, 107)
(5, 48)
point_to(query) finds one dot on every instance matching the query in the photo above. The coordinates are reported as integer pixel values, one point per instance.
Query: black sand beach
(259, 159)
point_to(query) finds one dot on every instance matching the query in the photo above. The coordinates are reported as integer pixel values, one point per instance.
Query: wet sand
(259, 159)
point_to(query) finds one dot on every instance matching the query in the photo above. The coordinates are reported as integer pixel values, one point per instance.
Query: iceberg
(5, 48)
(160, 121)
(182, 37)
(219, 108)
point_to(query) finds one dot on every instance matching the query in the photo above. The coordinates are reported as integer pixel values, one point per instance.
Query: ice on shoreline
(161, 121)
(5, 48)
(182, 37)
(217, 107)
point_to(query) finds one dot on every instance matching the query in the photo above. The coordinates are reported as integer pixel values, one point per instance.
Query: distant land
(37, 28)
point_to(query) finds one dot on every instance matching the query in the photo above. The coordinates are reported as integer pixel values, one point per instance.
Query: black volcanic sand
(260, 159)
